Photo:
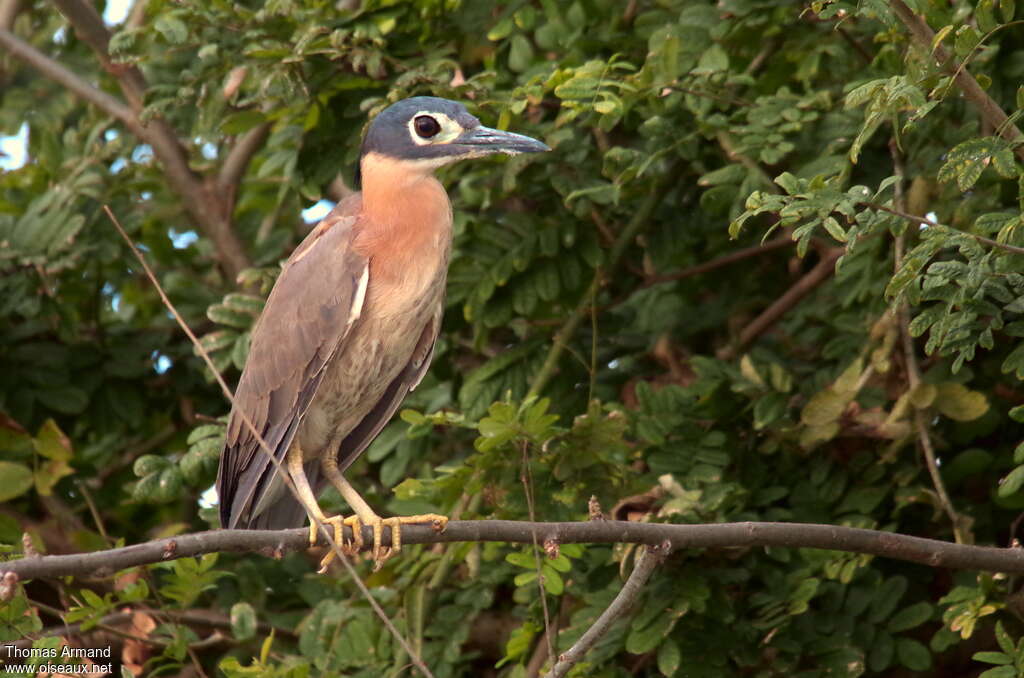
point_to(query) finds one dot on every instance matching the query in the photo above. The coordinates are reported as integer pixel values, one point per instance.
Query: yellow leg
(309, 502)
(365, 514)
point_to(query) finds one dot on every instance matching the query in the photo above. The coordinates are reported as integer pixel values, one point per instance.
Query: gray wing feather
(410, 377)
(309, 313)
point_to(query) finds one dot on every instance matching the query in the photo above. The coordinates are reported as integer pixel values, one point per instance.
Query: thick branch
(204, 205)
(928, 552)
(89, 26)
(649, 559)
(989, 110)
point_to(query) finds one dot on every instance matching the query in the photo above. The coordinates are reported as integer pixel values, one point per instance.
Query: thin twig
(263, 445)
(649, 559)
(924, 221)
(857, 47)
(189, 617)
(930, 552)
(725, 260)
(725, 141)
(526, 477)
(910, 354)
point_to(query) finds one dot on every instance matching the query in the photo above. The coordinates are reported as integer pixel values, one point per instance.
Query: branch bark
(725, 260)
(930, 552)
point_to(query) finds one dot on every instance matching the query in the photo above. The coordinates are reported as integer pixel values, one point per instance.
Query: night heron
(349, 328)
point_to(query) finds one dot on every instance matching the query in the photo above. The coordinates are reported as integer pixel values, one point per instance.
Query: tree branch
(204, 205)
(89, 26)
(724, 260)
(55, 71)
(928, 222)
(650, 558)
(233, 169)
(989, 110)
(817, 275)
(9, 10)
(930, 552)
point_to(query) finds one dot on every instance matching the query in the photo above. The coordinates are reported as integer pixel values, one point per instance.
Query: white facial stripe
(449, 129)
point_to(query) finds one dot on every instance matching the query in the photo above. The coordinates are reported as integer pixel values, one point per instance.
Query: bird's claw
(348, 548)
(379, 553)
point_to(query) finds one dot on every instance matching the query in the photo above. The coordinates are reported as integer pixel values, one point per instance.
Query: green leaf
(958, 402)
(669, 657)
(520, 54)
(967, 161)
(243, 121)
(1007, 10)
(910, 617)
(243, 621)
(15, 480)
(1012, 482)
(173, 29)
(913, 654)
(63, 398)
(984, 14)
(992, 658)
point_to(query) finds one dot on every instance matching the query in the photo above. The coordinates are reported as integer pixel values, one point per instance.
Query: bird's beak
(482, 140)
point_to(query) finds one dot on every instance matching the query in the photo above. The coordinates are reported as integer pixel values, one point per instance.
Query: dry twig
(650, 558)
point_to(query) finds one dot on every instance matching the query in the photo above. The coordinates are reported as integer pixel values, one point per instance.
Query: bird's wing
(408, 379)
(310, 311)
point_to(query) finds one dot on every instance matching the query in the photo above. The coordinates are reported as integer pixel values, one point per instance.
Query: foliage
(573, 362)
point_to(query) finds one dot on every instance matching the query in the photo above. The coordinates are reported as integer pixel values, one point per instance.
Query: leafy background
(581, 349)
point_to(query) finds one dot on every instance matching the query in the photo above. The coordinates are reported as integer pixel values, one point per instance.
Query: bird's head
(424, 133)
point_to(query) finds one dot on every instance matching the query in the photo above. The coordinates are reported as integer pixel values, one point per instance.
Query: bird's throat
(406, 221)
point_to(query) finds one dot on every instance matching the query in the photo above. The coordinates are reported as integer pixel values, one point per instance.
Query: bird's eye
(426, 126)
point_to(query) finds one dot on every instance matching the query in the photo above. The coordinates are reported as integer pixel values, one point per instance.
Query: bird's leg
(293, 459)
(365, 514)
(309, 502)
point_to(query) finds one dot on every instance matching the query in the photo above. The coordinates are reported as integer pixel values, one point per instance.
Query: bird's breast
(379, 347)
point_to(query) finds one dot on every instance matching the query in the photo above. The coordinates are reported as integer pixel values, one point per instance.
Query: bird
(349, 328)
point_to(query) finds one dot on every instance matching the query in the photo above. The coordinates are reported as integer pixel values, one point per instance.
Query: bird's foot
(347, 548)
(382, 555)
